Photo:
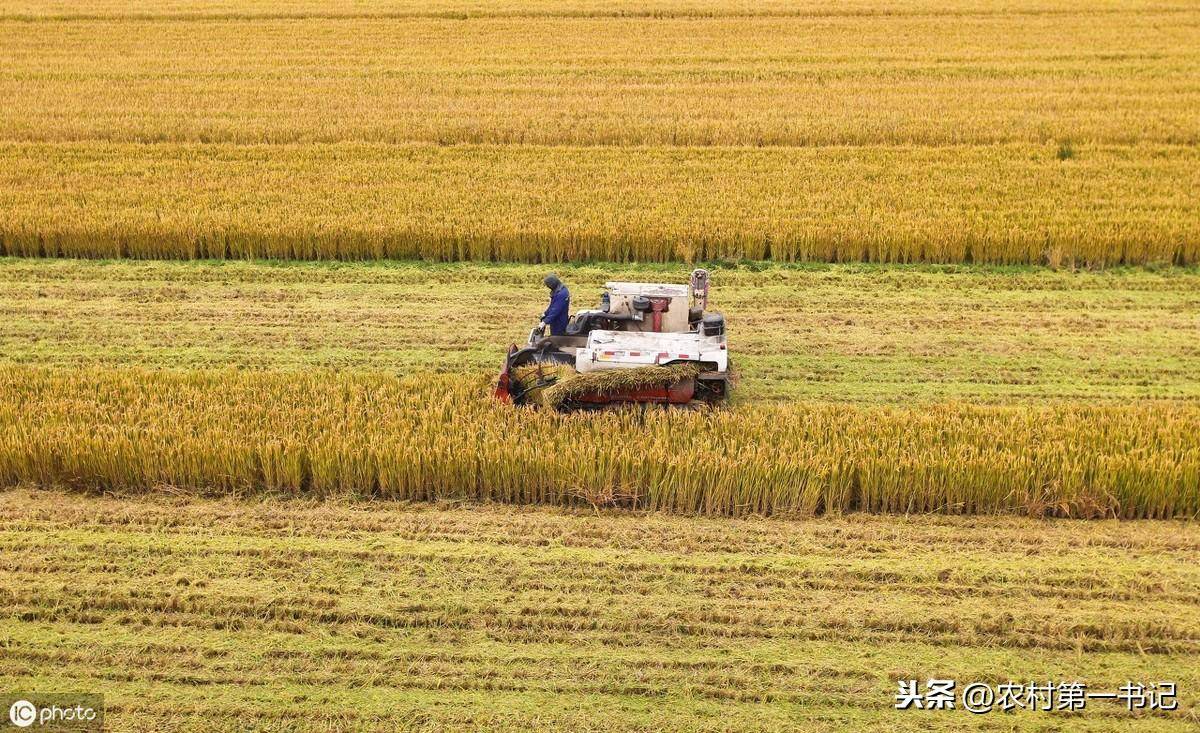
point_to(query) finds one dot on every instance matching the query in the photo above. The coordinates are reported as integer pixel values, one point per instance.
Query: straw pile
(616, 380)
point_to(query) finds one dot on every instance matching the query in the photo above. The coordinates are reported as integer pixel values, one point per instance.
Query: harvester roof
(658, 290)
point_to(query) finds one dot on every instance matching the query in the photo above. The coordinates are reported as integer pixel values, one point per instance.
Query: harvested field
(840, 333)
(205, 615)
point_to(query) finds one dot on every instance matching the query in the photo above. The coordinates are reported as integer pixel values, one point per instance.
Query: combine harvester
(648, 343)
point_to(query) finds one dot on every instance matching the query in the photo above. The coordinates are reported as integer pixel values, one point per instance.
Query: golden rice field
(203, 615)
(437, 438)
(260, 259)
(465, 9)
(1039, 131)
(1122, 75)
(996, 203)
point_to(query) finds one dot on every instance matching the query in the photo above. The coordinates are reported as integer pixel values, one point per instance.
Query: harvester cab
(646, 343)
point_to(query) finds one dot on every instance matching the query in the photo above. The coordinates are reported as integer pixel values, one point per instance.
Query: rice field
(205, 615)
(430, 438)
(260, 260)
(1049, 392)
(354, 201)
(1117, 75)
(1048, 132)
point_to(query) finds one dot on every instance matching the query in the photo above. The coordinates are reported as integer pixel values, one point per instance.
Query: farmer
(560, 303)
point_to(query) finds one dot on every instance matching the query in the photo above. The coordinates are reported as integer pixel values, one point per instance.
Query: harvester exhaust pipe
(700, 287)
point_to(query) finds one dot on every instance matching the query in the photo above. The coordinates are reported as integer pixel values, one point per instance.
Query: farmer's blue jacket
(557, 314)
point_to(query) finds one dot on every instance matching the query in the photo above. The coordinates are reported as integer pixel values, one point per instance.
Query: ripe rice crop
(1031, 131)
(914, 73)
(29, 10)
(428, 438)
(1010, 204)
